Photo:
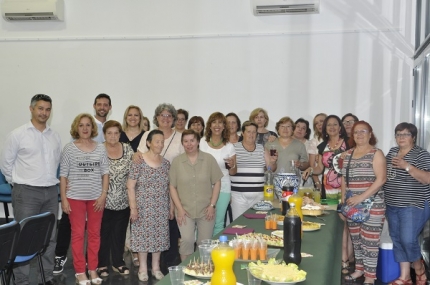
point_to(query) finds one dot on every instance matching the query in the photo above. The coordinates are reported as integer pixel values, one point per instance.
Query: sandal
(103, 272)
(81, 282)
(121, 270)
(158, 275)
(135, 258)
(97, 280)
(401, 282)
(143, 276)
(349, 277)
(345, 267)
(421, 279)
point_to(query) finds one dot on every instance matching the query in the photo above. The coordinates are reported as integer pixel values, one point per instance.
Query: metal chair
(5, 195)
(9, 234)
(33, 240)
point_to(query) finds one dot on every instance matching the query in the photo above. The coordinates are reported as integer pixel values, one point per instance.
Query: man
(102, 105)
(29, 161)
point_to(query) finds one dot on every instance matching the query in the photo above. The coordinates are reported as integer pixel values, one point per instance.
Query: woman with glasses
(181, 122)
(407, 195)
(364, 173)
(288, 148)
(348, 121)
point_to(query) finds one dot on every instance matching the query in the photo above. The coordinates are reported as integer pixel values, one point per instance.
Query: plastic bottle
(292, 236)
(268, 185)
(297, 200)
(223, 259)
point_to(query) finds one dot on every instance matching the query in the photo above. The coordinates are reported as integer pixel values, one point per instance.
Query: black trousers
(64, 235)
(170, 257)
(112, 237)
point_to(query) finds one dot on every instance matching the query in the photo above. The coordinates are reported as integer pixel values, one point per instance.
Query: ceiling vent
(33, 10)
(286, 7)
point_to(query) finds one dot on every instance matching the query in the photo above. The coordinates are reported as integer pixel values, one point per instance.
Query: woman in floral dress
(148, 190)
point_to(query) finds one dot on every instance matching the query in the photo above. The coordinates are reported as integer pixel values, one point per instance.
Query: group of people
(174, 181)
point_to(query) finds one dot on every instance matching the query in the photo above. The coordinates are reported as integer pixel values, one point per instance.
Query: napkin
(234, 231)
(254, 216)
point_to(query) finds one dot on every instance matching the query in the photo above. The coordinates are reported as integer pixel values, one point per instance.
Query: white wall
(205, 56)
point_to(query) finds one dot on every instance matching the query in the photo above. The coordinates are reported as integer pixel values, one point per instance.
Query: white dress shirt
(100, 138)
(31, 157)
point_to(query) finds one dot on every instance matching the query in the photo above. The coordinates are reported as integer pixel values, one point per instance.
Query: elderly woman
(148, 192)
(197, 124)
(85, 169)
(364, 173)
(329, 151)
(117, 211)
(194, 174)
(165, 116)
(248, 183)
(216, 143)
(407, 195)
(261, 118)
(133, 127)
(348, 121)
(302, 133)
(181, 122)
(288, 148)
(233, 126)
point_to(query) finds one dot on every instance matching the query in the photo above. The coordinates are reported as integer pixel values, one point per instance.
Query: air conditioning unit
(285, 7)
(33, 10)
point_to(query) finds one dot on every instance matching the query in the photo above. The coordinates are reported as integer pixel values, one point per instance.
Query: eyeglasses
(360, 132)
(349, 122)
(181, 120)
(405, 135)
(167, 116)
(286, 127)
(332, 125)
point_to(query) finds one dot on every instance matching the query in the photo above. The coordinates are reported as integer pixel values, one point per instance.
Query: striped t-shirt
(84, 171)
(401, 189)
(250, 169)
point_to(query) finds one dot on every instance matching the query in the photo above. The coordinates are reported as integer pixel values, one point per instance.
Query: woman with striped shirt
(248, 182)
(85, 170)
(407, 198)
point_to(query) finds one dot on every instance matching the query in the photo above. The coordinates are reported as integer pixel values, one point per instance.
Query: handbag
(361, 212)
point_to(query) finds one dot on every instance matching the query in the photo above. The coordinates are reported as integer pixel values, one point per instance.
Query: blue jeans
(405, 225)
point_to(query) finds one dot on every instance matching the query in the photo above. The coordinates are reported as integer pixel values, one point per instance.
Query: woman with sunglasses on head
(348, 121)
(364, 173)
(407, 196)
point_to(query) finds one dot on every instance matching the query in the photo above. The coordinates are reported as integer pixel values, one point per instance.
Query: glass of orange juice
(245, 249)
(237, 246)
(274, 223)
(268, 222)
(253, 250)
(262, 251)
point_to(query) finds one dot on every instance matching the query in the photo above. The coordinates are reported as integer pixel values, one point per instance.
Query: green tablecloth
(325, 245)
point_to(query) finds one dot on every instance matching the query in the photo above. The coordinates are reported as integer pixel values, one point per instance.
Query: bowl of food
(277, 273)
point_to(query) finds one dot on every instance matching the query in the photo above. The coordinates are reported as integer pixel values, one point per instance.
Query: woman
(148, 193)
(329, 151)
(194, 174)
(260, 117)
(197, 124)
(146, 124)
(287, 148)
(233, 126)
(248, 182)
(366, 175)
(85, 169)
(348, 121)
(216, 143)
(181, 122)
(407, 196)
(117, 211)
(164, 118)
(315, 141)
(302, 133)
(133, 126)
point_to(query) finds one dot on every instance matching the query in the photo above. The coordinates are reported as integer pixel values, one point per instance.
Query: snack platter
(271, 240)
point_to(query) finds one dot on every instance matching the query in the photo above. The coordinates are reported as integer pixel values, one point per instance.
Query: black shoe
(50, 282)
(59, 264)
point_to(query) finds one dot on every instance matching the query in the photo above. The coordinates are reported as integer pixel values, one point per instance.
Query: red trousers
(82, 211)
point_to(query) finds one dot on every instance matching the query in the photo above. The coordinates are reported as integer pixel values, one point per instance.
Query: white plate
(311, 230)
(197, 276)
(263, 208)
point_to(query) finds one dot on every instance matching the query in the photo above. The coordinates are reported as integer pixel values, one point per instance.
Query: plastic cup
(262, 251)
(253, 251)
(268, 222)
(317, 196)
(176, 275)
(207, 241)
(255, 271)
(205, 252)
(237, 246)
(273, 223)
(245, 250)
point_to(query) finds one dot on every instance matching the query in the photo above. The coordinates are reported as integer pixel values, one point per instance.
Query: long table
(325, 245)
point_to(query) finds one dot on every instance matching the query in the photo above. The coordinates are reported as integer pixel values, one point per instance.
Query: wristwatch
(408, 168)
(212, 205)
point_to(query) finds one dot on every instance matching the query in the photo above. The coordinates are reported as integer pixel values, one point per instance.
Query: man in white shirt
(102, 106)
(29, 161)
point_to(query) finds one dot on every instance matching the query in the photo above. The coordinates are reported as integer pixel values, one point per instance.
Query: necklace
(335, 146)
(215, 145)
